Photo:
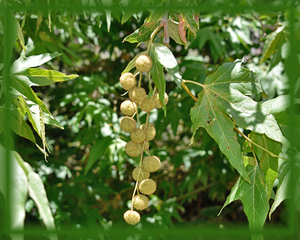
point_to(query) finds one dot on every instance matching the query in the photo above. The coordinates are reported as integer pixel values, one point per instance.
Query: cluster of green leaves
(87, 177)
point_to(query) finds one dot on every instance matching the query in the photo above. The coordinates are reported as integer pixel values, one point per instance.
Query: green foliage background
(88, 175)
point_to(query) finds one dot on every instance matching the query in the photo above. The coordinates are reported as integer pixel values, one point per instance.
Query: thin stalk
(257, 145)
(188, 91)
(196, 83)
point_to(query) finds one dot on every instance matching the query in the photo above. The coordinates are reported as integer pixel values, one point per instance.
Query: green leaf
(272, 44)
(287, 185)
(267, 163)
(166, 58)
(19, 126)
(142, 34)
(38, 194)
(174, 33)
(157, 74)
(23, 62)
(43, 77)
(254, 197)
(107, 3)
(97, 150)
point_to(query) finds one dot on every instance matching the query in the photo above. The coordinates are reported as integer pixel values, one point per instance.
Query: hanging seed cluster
(140, 135)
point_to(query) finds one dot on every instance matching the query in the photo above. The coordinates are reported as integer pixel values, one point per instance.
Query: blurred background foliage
(88, 175)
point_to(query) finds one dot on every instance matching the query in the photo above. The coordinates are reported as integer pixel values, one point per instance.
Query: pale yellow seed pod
(132, 217)
(143, 63)
(127, 81)
(158, 102)
(139, 174)
(133, 149)
(150, 131)
(148, 104)
(147, 186)
(151, 163)
(128, 108)
(137, 94)
(138, 135)
(140, 202)
(128, 124)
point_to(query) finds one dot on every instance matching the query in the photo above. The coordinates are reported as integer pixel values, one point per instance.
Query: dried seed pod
(128, 124)
(151, 163)
(139, 174)
(150, 131)
(127, 81)
(132, 217)
(128, 108)
(140, 202)
(147, 186)
(133, 149)
(137, 94)
(158, 102)
(143, 63)
(148, 104)
(138, 135)
(146, 145)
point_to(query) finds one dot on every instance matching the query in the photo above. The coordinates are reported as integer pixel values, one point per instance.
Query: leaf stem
(187, 90)
(196, 83)
(257, 145)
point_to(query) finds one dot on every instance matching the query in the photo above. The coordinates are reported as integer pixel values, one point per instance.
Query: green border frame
(291, 232)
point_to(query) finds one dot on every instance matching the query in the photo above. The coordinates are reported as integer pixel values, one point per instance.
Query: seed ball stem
(138, 135)
(147, 186)
(128, 124)
(143, 63)
(145, 146)
(137, 94)
(139, 174)
(140, 202)
(133, 149)
(132, 217)
(128, 108)
(127, 81)
(150, 131)
(151, 163)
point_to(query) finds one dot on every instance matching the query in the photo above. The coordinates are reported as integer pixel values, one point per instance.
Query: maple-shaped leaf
(225, 102)
(254, 197)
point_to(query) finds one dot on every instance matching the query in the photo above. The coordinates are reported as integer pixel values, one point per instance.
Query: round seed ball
(150, 131)
(143, 63)
(151, 163)
(132, 217)
(140, 202)
(127, 81)
(133, 149)
(147, 186)
(141, 172)
(158, 102)
(137, 94)
(148, 104)
(138, 135)
(146, 145)
(128, 108)
(128, 124)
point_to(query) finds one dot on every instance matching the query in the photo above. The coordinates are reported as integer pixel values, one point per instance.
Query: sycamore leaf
(272, 44)
(43, 77)
(289, 185)
(174, 32)
(267, 163)
(23, 62)
(142, 34)
(97, 150)
(157, 74)
(166, 58)
(254, 197)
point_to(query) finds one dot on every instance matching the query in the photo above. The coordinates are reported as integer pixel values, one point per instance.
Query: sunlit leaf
(254, 197)
(142, 34)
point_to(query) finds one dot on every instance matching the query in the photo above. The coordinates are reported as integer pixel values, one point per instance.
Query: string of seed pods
(140, 135)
